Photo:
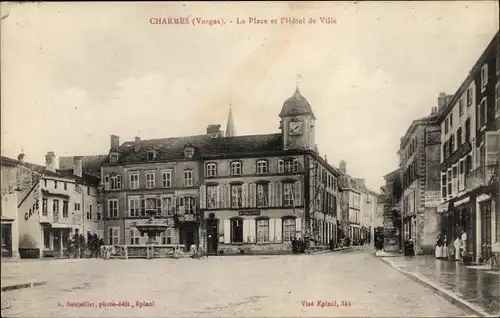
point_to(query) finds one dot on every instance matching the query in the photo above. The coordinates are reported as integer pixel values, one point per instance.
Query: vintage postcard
(250, 159)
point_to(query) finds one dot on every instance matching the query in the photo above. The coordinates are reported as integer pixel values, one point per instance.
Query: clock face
(296, 128)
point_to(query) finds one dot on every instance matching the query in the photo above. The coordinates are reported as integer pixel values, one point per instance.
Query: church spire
(230, 124)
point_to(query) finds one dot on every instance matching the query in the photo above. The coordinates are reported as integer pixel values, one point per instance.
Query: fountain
(152, 228)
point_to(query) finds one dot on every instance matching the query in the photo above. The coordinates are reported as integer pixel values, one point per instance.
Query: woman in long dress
(439, 247)
(456, 245)
(445, 247)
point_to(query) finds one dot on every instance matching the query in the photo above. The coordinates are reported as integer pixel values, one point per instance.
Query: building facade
(230, 194)
(470, 150)
(392, 191)
(8, 208)
(420, 160)
(54, 205)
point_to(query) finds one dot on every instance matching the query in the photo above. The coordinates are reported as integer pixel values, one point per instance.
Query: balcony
(479, 177)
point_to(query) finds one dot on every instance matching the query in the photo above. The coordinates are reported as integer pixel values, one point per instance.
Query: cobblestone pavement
(250, 286)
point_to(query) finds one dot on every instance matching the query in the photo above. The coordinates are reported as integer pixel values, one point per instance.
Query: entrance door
(188, 238)
(237, 231)
(212, 235)
(6, 240)
(486, 230)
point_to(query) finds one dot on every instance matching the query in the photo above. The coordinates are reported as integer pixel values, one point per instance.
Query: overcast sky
(74, 73)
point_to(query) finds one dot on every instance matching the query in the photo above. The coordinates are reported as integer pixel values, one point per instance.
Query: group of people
(443, 250)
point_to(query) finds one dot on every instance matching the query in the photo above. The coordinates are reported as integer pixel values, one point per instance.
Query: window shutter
(158, 205)
(298, 193)
(277, 230)
(272, 234)
(203, 196)
(492, 148)
(271, 194)
(251, 230)
(227, 231)
(182, 208)
(119, 181)
(253, 195)
(244, 195)
(246, 231)
(106, 182)
(298, 226)
(279, 194)
(227, 196)
(218, 198)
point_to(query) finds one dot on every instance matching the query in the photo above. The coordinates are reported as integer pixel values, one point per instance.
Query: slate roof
(296, 105)
(66, 174)
(90, 164)
(171, 149)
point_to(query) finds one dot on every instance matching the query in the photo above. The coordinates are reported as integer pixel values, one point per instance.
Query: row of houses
(234, 194)
(447, 179)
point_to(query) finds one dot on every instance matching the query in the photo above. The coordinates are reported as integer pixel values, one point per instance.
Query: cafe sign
(249, 213)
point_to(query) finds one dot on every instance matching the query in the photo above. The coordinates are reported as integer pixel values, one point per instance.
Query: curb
(449, 296)
(330, 251)
(21, 286)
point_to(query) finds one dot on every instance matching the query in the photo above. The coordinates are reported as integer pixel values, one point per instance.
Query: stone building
(8, 208)
(54, 205)
(420, 159)
(232, 194)
(470, 140)
(359, 203)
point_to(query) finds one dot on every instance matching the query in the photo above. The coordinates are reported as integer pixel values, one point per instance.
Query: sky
(74, 73)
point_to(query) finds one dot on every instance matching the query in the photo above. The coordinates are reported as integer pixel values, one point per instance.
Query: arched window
(262, 167)
(211, 170)
(236, 167)
(288, 229)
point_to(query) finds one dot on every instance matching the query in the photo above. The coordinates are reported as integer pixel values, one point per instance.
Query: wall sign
(249, 213)
(31, 211)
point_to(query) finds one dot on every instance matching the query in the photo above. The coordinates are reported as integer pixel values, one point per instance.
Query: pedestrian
(463, 243)
(439, 247)
(456, 246)
(445, 246)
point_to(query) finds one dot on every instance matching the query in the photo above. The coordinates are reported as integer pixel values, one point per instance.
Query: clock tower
(297, 123)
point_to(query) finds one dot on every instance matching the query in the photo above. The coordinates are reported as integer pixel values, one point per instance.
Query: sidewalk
(470, 287)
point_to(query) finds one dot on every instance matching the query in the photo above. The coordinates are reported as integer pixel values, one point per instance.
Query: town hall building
(233, 194)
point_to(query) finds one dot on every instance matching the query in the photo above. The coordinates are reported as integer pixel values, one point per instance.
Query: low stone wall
(262, 249)
(141, 251)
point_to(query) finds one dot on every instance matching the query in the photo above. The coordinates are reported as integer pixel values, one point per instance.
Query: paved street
(226, 286)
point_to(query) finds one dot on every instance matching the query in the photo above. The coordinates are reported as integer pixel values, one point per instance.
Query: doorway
(485, 208)
(237, 231)
(188, 235)
(212, 235)
(6, 240)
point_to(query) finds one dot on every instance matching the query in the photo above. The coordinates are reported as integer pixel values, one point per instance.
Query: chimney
(50, 161)
(442, 100)
(214, 131)
(137, 144)
(20, 157)
(343, 166)
(78, 166)
(115, 142)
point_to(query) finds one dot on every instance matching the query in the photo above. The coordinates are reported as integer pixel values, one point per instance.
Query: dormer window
(189, 150)
(151, 155)
(236, 168)
(113, 157)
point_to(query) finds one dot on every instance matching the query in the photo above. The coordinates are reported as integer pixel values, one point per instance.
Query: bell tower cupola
(297, 123)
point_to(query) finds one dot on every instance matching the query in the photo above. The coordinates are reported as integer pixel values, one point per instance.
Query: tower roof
(230, 124)
(296, 105)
